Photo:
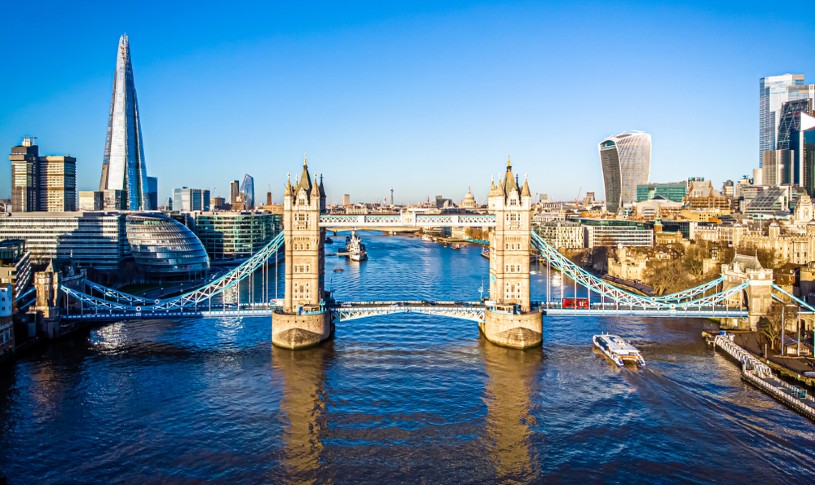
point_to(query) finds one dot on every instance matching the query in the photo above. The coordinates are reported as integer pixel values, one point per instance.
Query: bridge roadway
(472, 311)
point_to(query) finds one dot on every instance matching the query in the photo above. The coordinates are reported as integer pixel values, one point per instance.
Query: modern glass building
(186, 199)
(774, 91)
(235, 235)
(674, 191)
(123, 166)
(248, 192)
(625, 160)
(162, 246)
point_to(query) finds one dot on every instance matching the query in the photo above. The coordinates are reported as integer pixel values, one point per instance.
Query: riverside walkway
(761, 376)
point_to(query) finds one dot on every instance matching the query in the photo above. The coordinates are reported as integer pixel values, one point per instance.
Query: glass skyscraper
(625, 160)
(248, 192)
(123, 167)
(774, 91)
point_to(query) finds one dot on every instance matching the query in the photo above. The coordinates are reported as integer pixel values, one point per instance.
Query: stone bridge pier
(304, 320)
(509, 320)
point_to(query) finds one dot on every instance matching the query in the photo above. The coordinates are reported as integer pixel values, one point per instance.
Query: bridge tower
(758, 294)
(511, 321)
(303, 321)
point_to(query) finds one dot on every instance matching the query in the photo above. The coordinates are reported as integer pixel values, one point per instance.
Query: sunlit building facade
(625, 160)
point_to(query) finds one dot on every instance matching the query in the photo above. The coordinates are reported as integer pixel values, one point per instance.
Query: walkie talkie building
(625, 160)
(123, 167)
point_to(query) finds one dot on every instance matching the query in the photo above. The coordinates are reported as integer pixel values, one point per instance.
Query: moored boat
(355, 248)
(618, 350)
(485, 252)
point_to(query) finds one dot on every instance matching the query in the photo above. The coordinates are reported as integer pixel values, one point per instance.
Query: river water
(399, 398)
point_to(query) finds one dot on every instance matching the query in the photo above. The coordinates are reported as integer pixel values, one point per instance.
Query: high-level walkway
(98, 302)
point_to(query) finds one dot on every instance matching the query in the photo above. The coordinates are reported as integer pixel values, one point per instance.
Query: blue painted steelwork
(104, 302)
(130, 303)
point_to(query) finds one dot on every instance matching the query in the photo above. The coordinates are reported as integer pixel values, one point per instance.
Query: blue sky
(424, 97)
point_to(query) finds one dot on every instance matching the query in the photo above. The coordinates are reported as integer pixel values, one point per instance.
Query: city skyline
(399, 93)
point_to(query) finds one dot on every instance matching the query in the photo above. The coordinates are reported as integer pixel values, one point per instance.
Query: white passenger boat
(355, 248)
(618, 350)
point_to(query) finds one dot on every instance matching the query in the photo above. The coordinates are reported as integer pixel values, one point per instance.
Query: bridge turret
(511, 321)
(303, 320)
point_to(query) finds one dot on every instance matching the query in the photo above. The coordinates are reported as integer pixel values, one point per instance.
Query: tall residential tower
(123, 167)
(625, 160)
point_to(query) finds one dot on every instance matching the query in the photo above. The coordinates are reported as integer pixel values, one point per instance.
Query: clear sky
(423, 97)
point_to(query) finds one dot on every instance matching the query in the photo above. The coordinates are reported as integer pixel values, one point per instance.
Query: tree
(665, 276)
(769, 258)
(693, 260)
(770, 325)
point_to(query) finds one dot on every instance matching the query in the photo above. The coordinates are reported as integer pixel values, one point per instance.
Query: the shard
(123, 167)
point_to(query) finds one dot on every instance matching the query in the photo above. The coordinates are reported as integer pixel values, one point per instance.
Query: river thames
(399, 398)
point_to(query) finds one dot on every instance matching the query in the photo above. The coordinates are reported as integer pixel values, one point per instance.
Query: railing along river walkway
(761, 376)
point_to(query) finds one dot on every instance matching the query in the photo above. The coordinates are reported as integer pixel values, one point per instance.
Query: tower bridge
(306, 315)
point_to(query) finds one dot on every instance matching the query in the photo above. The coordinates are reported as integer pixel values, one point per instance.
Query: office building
(87, 239)
(674, 191)
(57, 187)
(15, 265)
(248, 192)
(346, 200)
(219, 203)
(162, 246)
(91, 200)
(625, 161)
(234, 235)
(617, 235)
(41, 183)
(152, 192)
(123, 166)
(186, 199)
(6, 322)
(562, 234)
(24, 176)
(774, 91)
(234, 193)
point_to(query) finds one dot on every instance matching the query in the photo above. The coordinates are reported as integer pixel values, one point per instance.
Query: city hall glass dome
(163, 246)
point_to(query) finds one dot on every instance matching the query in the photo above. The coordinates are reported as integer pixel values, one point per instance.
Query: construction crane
(577, 199)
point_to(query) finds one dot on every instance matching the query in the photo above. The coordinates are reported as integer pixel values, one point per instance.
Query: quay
(761, 376)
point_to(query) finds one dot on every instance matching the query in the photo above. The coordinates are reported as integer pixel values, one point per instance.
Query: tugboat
(618, 350)
(355, 248)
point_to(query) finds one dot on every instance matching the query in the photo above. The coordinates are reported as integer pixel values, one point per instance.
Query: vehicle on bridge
(580, 303)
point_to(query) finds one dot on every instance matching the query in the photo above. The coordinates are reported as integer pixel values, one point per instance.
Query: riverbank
(761, 376)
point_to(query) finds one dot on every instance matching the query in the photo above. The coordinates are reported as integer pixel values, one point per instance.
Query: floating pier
(761, 376)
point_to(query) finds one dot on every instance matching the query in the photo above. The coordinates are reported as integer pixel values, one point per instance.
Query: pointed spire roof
(322, 189)
(305, 178)
(525, 190)
(289, 189)
(494, 190)
(509, 180)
